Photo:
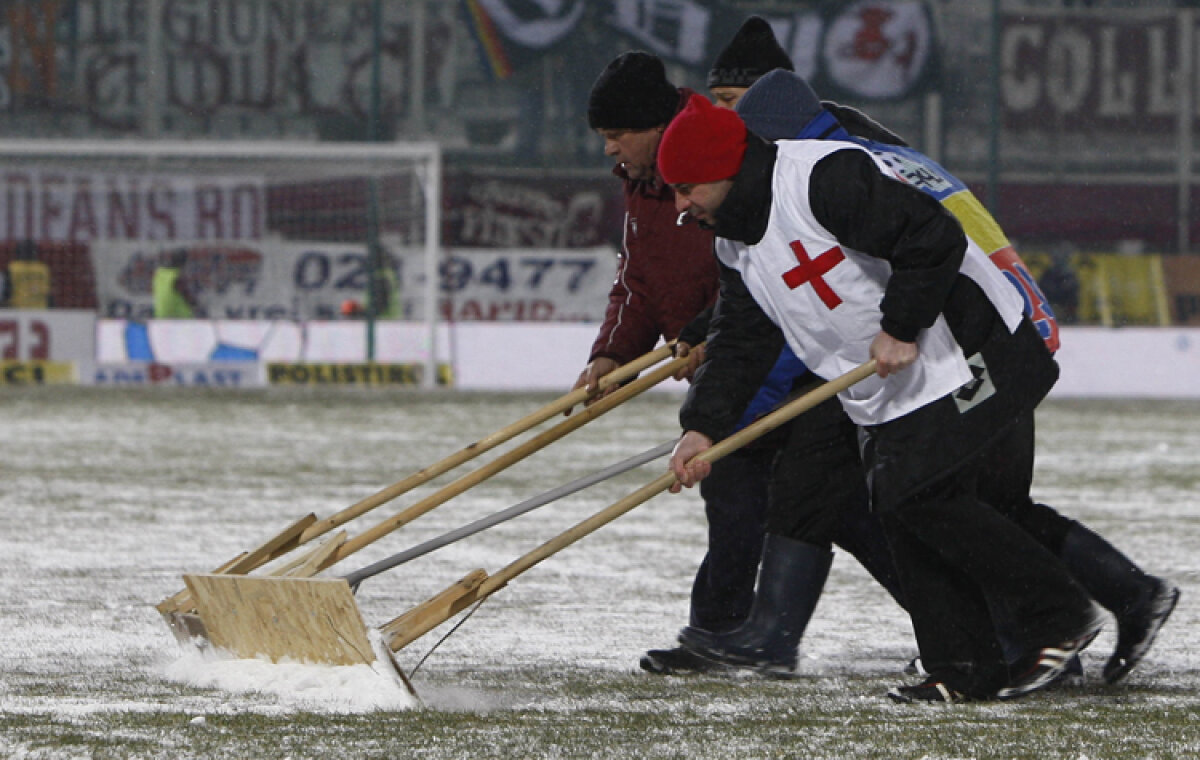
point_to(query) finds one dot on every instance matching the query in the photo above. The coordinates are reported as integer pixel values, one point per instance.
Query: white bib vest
(826, 296)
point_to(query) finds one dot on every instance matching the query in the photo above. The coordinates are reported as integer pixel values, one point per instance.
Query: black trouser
(963, 564)
(819, 492)
(1005, 481)
(735, 503)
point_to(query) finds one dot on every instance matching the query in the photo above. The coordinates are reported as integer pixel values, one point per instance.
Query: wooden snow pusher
(245, 602)
(316, 620)
(181, 611)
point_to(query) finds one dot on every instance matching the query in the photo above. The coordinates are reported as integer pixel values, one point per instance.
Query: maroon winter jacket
(666, 274)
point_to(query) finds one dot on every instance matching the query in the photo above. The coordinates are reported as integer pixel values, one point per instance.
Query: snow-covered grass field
(108, 496)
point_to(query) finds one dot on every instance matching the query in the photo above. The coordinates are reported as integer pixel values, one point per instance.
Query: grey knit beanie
(778, 105)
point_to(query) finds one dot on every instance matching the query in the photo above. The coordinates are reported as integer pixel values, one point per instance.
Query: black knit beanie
(632, 93)
(753, 52)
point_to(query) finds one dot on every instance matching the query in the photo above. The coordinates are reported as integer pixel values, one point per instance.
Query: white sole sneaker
(1049, 667)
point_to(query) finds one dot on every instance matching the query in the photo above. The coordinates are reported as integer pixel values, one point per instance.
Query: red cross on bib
(811, 270)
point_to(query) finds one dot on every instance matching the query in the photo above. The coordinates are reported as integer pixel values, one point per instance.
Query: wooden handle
(509, 458)
(313, 528)
(751, 432)
(504, 515)
(788, 411)
(485, 444)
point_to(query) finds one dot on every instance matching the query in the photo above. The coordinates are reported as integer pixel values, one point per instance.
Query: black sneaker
(1136, 630)
(676, 662)
(1048, 665)
(929, 690)
(1072, 675)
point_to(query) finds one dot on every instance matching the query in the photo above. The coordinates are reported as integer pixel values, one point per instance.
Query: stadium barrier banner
(37, 372)
(548, 357)
(244, 279)
(470, 356)
(62, 335)
(209, 341)
(195, 341)
(514, 285)
(240, 374)
(1090, 73)
(363, 374)
(273, 280)
(1128, 362)
(511, 208)
(57, 205)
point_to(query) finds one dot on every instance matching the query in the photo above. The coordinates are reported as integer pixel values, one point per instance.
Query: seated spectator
(1060, 284)
(27, 281)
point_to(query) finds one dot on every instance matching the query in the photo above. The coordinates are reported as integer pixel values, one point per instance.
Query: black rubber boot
(790, 581)
(1140, 602)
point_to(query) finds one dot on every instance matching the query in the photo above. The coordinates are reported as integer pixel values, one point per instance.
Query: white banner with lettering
(267, 279)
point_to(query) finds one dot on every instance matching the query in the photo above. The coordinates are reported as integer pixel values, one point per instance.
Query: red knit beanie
(702, 144)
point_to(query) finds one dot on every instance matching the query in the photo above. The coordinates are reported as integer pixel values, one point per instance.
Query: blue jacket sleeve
(743, 348)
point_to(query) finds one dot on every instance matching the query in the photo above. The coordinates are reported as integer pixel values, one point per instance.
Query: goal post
(272, 230)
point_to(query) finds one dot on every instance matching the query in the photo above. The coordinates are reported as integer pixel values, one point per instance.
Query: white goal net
(267, 231)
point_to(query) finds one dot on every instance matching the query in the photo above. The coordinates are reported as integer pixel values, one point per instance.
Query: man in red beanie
(817, 241)
(666, 277)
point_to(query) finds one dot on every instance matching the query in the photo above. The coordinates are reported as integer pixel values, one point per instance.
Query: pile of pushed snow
(321, 688)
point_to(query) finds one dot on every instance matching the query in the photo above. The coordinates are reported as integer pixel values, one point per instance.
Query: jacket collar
(744, 214)
(651, 188)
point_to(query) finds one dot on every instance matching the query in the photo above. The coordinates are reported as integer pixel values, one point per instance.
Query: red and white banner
(879, 49)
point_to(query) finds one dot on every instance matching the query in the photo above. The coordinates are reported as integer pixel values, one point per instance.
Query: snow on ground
(109, 496)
